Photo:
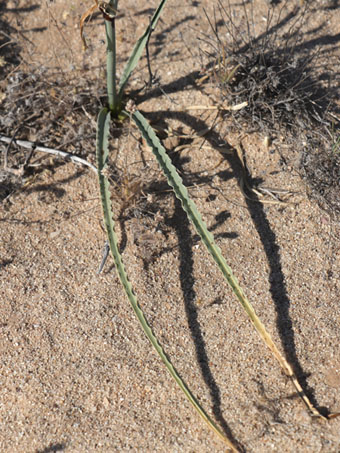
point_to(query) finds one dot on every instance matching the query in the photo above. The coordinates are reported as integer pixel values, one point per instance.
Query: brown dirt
(77, 373)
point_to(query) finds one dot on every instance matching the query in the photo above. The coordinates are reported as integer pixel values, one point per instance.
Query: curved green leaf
(138, 49)
(189, 207)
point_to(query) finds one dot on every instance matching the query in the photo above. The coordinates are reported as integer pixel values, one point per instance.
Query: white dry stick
(218, 107)
(43, 149)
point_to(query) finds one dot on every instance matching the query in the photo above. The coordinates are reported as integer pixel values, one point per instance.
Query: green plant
(115, 95)
(115, 109)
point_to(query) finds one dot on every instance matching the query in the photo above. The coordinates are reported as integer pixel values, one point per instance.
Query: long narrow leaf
(190, 208)
(111, 58)
(102, 156)
(111, 65)
(138, 49)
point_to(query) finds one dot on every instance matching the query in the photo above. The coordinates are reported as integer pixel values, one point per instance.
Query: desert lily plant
(115, 109)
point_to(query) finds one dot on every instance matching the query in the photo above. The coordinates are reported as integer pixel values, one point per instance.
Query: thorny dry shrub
(288, 94)
(55, 112)
(50, 110)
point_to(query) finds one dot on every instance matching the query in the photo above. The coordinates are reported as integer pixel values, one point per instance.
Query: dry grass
(286, 86)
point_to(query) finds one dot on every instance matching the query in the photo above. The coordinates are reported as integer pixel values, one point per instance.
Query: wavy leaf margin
(103, 124)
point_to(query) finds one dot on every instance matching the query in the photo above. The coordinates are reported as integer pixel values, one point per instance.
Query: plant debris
(278, 76)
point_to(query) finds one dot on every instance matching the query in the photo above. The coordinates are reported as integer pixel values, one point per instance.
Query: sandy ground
(77, 373)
